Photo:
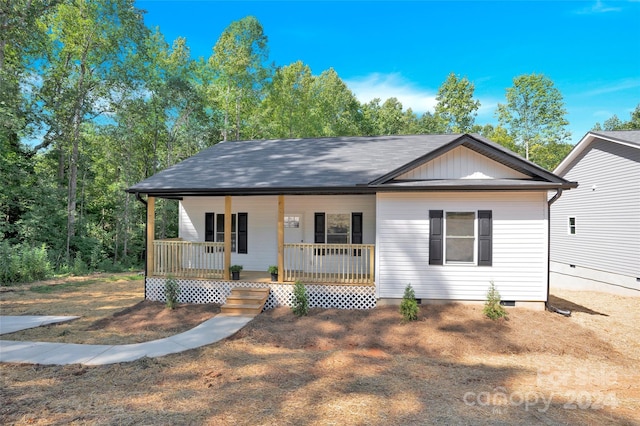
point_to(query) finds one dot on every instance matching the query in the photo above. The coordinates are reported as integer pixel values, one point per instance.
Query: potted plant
(235, 271)
(273, 270)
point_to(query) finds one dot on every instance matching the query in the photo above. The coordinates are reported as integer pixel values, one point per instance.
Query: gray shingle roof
(630, 136)
(344, 164)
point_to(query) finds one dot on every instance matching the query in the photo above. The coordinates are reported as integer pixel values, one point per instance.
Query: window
(460, 237)
(454, 235)
(338, 228)
(292, 221)
(220, 230)
(572, 226)
(214, 230)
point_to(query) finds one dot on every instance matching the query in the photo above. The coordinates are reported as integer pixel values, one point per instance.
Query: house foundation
(217, 291)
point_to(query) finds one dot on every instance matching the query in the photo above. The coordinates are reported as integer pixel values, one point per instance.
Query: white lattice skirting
(320, 296)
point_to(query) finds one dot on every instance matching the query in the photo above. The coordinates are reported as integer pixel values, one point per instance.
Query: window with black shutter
(452, 237)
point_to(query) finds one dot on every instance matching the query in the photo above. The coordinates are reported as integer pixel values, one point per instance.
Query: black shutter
(485, 238)
(209, 229)
(356, 232)
(319, 228)
(435, 237)
(243, 230)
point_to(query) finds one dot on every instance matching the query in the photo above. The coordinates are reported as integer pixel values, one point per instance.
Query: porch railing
(329, 263)
(309, 263)
(188, 259)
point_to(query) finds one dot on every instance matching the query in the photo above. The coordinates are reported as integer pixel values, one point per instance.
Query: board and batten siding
(606, 206)
(462, 163)
(520, 241)
(263, 218)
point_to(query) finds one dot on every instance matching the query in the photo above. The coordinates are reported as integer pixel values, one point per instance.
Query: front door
(293, 228)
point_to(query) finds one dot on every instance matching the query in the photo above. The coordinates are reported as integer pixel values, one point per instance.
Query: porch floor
(263, 277)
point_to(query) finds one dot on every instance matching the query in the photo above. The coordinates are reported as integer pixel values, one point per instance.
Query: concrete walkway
(210, 331)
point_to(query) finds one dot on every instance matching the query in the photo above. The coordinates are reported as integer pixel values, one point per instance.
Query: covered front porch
(270, 242)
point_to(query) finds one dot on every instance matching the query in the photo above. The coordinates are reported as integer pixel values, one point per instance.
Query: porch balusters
(188, 259)
(329, 263)
(309, 263)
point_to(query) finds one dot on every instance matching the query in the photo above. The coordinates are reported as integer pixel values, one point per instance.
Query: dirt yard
(452, 366)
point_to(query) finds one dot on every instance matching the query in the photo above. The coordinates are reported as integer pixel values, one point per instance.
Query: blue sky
(406, 49)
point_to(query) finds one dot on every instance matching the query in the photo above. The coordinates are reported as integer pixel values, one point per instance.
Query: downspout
(566, 313)
(146, 224)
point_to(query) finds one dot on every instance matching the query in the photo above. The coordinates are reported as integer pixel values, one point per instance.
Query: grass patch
(44, 289)
(126, 278)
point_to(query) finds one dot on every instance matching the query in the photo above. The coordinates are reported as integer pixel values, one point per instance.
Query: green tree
(238, 62)
(84, 67)
(534, 113)
(431, 123)
(456, 106)
(289, 103)
(336, 111)
(614, 123)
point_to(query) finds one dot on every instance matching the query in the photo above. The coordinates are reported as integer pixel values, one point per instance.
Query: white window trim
(569, 226)
(326, 226)
(474, 262)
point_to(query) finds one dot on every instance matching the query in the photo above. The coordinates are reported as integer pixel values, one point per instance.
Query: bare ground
(452, 366)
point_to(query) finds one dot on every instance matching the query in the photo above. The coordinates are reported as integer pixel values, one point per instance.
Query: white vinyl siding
(606, 206)
(462, 163)
(519, 268)
(262, 214)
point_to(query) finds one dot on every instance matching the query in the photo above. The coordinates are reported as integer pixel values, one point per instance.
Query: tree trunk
(126, 227)
(73, 164)
(237, 119)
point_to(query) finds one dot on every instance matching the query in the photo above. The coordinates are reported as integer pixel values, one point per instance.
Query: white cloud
(597, 7)
(385, 86)
(618, 86)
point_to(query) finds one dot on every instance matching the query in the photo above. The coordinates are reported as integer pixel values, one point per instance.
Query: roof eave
(543, 186)
(586, 140)
(203, 192)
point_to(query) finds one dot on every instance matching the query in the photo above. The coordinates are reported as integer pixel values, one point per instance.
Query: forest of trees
(92, 101)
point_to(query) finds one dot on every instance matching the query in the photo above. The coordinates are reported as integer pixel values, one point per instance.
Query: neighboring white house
(357, 217)
(595, 229)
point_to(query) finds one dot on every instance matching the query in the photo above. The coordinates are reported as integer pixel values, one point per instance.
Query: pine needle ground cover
(452, 366)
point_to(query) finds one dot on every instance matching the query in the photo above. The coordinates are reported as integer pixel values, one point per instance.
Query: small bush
(300, 300)
(409, 305)
(22, 263)
(171, 292)
(492, 307)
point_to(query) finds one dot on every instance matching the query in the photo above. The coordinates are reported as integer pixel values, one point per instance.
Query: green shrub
(22, 263)
(492, 307)
(409, 305)
(300, 300)
(171, 292)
